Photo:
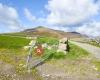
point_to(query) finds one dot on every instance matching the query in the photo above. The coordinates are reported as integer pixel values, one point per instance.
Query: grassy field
(19, 34)
(48, 40)
(12, 42)
(12, 52)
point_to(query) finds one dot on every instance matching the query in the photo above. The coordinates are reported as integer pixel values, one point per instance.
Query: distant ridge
(44, 31)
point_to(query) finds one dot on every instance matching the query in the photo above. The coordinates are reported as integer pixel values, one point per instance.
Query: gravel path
(90, 48)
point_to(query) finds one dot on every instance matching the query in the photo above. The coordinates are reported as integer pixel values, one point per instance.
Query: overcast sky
(68, 15)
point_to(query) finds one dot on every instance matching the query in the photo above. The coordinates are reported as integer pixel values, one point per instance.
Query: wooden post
(67, 45)
(29, 56)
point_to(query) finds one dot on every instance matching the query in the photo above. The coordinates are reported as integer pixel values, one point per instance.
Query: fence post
(67, 45)
(29, 56)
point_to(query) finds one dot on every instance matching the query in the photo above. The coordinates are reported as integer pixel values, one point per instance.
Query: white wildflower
(20, 64)
(44, 45)
(94, 67)
(26, 47)
(49, 47)
(32, 42)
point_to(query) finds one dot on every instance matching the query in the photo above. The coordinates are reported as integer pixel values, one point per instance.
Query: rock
(63, 40)
(62, 47)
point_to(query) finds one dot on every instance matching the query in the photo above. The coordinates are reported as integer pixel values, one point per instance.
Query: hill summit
(44, 31)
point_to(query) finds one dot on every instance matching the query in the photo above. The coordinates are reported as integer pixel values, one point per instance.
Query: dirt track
(90, 48)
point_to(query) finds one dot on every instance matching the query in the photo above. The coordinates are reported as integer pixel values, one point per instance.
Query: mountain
(43, 31)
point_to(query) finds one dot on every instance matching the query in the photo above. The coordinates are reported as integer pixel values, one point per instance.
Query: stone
(62, 47)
